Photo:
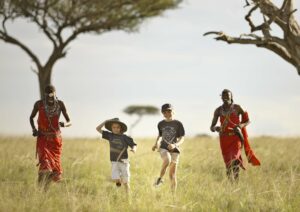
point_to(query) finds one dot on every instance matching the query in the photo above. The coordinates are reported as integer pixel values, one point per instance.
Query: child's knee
(172, 175)
(166, 161)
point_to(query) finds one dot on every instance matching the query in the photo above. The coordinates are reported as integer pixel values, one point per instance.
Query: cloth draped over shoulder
(230, 143)
(49, 142)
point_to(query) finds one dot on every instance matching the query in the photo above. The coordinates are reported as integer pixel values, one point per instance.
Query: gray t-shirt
(170, 131)
(117, 143)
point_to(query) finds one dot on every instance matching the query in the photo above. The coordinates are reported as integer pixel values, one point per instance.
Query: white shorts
(172, 156)
(120, 171)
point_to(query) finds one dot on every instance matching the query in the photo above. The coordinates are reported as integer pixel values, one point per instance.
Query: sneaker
(118, 184)
(158, 182)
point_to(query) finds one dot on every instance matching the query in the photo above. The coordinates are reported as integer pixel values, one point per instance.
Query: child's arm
(99, 128)
(131, 143)
(179, 141)
(157, 142)
(133, 149)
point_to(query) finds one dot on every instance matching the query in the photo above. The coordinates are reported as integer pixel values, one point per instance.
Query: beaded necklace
(53, 109)
(226, 114)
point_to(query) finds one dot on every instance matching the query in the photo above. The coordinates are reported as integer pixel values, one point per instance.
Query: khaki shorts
(171, 156)
(120, 170)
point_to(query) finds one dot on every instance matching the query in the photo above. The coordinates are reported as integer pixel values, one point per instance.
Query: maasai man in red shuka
(233, 135)
(49, 141)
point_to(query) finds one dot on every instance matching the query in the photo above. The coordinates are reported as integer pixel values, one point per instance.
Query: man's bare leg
(44, 179)
(232, 171)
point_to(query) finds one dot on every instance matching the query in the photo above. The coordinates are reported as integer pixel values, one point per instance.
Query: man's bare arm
(213, 127)
(157, 143)
(65, 114)
(241, 112)
(31, 119)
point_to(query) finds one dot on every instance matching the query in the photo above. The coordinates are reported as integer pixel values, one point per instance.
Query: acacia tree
(140, 111)
(286, 46)
(62, 21)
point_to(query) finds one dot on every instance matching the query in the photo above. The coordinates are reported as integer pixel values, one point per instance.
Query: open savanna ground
(202, 183)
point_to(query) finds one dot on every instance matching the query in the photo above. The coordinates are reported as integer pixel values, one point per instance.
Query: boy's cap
(109, 123)
(166, 106)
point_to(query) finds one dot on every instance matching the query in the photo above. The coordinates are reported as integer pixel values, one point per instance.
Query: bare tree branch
(237, 40)
(247, 17)
(34, 71)
(288, 6)
(287, 47)
(247, 3)
(5, 18)
(12, 40)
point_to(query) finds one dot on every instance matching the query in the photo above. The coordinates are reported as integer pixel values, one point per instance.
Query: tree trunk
(134, 124)
(45, 72)
(44, 79)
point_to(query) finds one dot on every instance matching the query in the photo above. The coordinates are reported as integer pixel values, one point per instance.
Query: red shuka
(49, 143)
(231, 144)
(248, 151)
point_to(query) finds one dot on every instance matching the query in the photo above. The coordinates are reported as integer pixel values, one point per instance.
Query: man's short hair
(49, 89)
(226, 91)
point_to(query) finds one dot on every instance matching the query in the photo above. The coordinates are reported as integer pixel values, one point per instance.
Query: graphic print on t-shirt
(168, 134)
(116, 145)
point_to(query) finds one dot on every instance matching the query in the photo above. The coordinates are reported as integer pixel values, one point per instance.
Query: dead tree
(286, 46)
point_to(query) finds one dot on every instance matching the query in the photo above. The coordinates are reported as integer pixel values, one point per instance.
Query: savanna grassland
(202, 183)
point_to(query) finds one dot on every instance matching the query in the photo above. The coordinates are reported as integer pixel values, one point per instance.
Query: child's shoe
(158, 182)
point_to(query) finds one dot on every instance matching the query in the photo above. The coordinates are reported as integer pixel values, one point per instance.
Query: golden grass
(202, 184)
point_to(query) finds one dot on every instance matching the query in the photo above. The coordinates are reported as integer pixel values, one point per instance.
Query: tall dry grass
(202, 183)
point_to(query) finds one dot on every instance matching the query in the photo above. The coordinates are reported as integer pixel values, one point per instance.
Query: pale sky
(168, 60)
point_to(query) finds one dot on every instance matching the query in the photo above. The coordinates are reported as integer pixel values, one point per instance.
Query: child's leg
(173, 169)
(166, 157)
(127, 187)
(115, 173)
(172, 175)
(118, 182)
(125, 174)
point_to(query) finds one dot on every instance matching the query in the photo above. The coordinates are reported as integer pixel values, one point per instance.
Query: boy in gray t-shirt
(118, 143)
(170, 137)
